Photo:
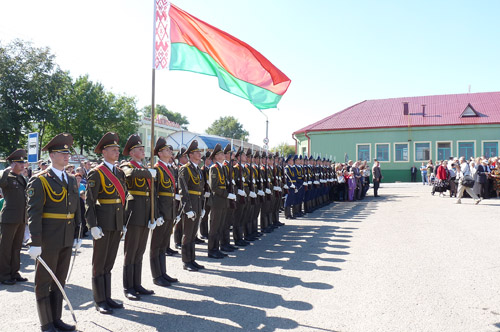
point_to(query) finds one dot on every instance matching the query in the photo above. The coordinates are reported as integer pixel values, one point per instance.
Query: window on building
(382, 152)
(363, 152)
(444, 150)
(490, 149)
(422, 151)
(401, 152)
(303, 151)
(466, 149)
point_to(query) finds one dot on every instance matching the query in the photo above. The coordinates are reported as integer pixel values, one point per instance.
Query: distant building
(163, 127)
(430, 127)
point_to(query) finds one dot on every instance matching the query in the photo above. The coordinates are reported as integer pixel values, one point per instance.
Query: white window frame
(415, 151)
(389, 152)
(467, 141)
(407, 146)
(490, 141)
(369, 150)
(451, 148)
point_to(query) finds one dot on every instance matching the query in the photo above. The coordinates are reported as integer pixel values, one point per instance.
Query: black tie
(64, 180)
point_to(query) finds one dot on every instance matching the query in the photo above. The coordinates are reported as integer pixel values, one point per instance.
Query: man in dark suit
(377, 177)
(138, 214)
(53, 214)
(481, 173)
(413, 173)
(105, 200)
(12, 218)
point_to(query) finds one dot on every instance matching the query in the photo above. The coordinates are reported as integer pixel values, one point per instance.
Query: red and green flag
(183, 42)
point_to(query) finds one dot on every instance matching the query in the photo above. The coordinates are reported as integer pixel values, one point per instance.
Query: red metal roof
(443, 110)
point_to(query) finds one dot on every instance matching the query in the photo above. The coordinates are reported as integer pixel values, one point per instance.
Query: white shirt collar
(59, 173)
(110, 165)
(164, 163)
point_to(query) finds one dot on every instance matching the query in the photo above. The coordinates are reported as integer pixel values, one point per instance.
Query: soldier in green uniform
(191, 189)
(231, 185)
(165, 197)
(53, 215)
(138, 214)
(182, 160)
(12, 218)
(241, 177)
(252, 203)
(104, 211)
(207, 162)
(220, 202)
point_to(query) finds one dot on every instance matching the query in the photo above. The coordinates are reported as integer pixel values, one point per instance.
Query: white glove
(207, 194)
(276, 188)
(153, 172)
(202, 213)
(178, 197)
(285, 186)
(316, 182)
(77, 243)
(152, 224)
(234, 183)
(231, 196)
(34, 252)
(260, 193)
(96, 232)
(268, 191)
(190, 214)
(177, 219)
(160, 221)
(305, 184)
(309, 182)
(292, 186)
(279, 189)
(253, 180)
(241, 192)
(252, 194)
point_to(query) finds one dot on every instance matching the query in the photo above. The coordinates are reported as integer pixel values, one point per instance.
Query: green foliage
(36, 95)
(284, 149)
(171, 115)
(228, 126)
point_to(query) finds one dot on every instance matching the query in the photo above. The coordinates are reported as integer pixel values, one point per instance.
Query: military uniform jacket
(53, 210)
(218, 184)
(14, 191)
(290, 174)
(138, 198)
(103, 204)
(191, 187)
(165, 190)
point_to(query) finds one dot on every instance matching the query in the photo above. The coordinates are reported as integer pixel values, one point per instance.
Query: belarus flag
(183, 42)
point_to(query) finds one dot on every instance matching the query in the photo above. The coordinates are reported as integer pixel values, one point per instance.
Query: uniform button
(117, 209)
(69, 203)
(69, 222)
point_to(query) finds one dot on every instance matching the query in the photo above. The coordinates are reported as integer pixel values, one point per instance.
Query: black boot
(186, 258)
(98, 290)
(157, 273)
(56, 304)
(128, 283)
(107, 291)
(45, 314)
(163, 269)
(138, 281)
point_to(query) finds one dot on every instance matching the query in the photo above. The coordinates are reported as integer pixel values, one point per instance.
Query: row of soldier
(227, 191)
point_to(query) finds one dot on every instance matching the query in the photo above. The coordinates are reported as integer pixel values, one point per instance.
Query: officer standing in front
(104, 205)
(191, 190)
(12, 218)
(53, 215)
(139, 218)
(165, 197)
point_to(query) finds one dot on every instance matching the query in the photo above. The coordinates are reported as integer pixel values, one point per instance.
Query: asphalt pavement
(406, 261)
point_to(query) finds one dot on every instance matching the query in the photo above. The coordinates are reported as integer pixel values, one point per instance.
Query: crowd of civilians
(353, 180)
(447, 173)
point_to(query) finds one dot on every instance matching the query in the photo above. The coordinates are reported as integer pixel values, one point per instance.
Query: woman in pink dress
(351, 182)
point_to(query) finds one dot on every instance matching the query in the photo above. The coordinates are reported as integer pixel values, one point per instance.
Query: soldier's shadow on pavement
(200, 315)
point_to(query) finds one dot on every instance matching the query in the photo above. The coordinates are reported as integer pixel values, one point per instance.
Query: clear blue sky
(337, 53)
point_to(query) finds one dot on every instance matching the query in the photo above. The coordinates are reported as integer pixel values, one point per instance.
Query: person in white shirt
(463, 171)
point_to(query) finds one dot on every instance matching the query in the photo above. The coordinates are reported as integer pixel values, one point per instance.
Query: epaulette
(41, 173)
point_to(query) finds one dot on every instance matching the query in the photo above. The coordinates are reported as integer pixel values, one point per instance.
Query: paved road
(404, 262)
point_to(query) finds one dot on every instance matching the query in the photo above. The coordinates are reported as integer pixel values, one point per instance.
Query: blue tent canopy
(211, 141)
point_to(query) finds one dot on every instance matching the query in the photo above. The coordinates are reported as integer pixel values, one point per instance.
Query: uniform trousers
(11, 240)
(217, 220)
(104, 254)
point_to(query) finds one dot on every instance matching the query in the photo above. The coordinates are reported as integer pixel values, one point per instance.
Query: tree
(171, 115)
(284, 149)
(228, 126)
(30, 85)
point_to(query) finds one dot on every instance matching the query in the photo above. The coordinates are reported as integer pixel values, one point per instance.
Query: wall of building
(342, 144)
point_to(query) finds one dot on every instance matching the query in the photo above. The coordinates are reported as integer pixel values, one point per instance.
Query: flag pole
(153, 143)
